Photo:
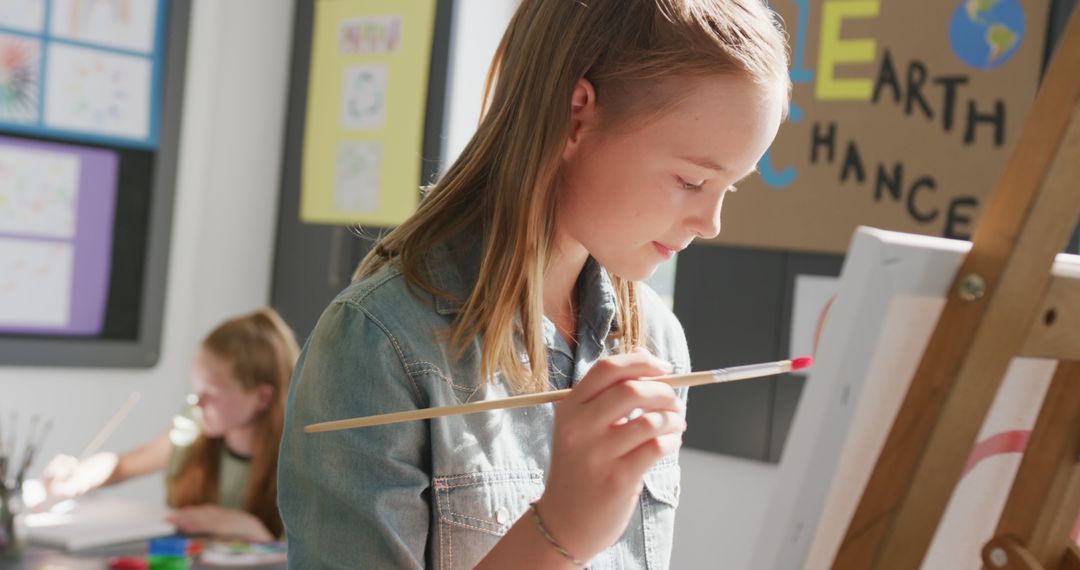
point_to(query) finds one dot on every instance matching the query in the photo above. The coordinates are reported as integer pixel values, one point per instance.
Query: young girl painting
(613, 132)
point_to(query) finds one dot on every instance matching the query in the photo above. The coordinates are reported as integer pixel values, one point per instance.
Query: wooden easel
(1005, 303)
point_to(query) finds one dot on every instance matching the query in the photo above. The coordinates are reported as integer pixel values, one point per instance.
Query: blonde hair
(263, 351)
(503, 185)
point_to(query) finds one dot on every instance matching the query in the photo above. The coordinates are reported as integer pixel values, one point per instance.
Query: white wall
(477, 28)
(223, 231)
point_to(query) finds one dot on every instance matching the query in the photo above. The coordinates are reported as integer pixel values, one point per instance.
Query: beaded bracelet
(551, 539)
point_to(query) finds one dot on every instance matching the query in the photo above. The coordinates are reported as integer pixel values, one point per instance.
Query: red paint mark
(1005, 442)
(821, 323)
(1015, 441)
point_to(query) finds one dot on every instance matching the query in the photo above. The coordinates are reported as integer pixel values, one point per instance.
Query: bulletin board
(902, 116)
(89, 121)
(364, 124)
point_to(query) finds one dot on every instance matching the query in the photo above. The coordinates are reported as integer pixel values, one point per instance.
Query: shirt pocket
(658, 504)
(475, 510)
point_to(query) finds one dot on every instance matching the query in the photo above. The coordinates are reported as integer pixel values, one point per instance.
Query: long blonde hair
(503, 185)
(263, 351)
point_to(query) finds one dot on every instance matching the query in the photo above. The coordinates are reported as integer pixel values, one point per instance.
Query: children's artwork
(124, 24)
(22, 15)
(39, 192)
(35, 282)
(100, 92)
(356, 185)
(83, 70)
(891, 291)
(379, 34)
(363, 103)
(57, 204)
(368, 78)
(20, 78)
(898, 130)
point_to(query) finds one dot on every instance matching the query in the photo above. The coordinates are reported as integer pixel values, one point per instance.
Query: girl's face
(635, 197)
(226, 405)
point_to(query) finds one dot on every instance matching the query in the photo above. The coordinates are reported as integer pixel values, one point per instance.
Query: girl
(221, 456)
(614, 131)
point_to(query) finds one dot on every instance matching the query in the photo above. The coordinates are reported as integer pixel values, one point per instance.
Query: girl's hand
(66, 477)
(599, 456)
(220, 522)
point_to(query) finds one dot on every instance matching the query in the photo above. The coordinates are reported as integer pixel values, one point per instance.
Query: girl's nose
(705, 219)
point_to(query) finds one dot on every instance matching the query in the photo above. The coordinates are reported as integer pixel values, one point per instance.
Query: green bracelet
(549, 538)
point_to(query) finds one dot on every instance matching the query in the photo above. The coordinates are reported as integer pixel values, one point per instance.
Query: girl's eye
(689, 185)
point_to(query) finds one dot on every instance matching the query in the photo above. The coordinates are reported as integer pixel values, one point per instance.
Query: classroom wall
(223, 232)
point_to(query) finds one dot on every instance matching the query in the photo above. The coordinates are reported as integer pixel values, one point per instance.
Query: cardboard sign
(903, 115)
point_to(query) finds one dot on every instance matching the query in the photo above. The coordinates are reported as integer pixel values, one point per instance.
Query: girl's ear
(582, 115)
(265, 393)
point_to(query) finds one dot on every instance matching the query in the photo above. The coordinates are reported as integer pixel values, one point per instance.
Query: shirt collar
(454, 264)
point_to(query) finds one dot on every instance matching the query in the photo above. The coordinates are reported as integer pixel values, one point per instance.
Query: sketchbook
(97, 520)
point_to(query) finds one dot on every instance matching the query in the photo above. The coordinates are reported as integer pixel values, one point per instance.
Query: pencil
(676, 381)
(107, 429)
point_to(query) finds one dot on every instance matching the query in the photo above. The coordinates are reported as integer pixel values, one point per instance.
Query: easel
(1005, 304)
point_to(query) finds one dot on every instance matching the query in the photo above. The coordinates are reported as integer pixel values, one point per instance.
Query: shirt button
(501, 516)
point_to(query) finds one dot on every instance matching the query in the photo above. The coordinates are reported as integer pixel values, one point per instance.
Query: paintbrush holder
(12, 528)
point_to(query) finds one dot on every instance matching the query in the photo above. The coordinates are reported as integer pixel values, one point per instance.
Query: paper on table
(97, 520)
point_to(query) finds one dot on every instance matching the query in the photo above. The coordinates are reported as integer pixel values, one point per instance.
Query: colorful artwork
(370, 35)
(35, 282)
(369, 70)
(902, 117)
(57, 205)
(23, 15)
(100, 92)
(363, 104)
(38, 192)
(124, 24)
(356, 187)
(20, 80)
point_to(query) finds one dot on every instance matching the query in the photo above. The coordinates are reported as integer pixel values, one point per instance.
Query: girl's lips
(665, 251)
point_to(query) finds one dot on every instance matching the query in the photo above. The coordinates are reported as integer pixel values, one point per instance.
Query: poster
(903, 116)
(20, 80)
(97, 91)
(83, 70)
(367, 96)
(57, 204)
(122, 24)
(22, 15)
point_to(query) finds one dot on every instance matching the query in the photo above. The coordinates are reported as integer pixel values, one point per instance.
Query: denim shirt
(440, 493)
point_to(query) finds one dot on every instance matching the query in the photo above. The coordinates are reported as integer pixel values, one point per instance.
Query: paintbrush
(676, 381)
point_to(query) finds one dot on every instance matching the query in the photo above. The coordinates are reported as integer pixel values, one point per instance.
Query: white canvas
(891, 291)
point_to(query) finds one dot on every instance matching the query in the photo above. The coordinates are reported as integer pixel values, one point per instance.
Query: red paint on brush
(800, 363)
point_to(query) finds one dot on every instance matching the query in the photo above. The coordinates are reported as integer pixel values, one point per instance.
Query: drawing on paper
(363, 36)
(125, 24)
(98, 92)
(35, 282)
(23, 15)
(20, 82)
(363, 103)
(38, 192)
(356, 184)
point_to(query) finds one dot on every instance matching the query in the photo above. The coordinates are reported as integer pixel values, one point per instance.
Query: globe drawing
(986, 33)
